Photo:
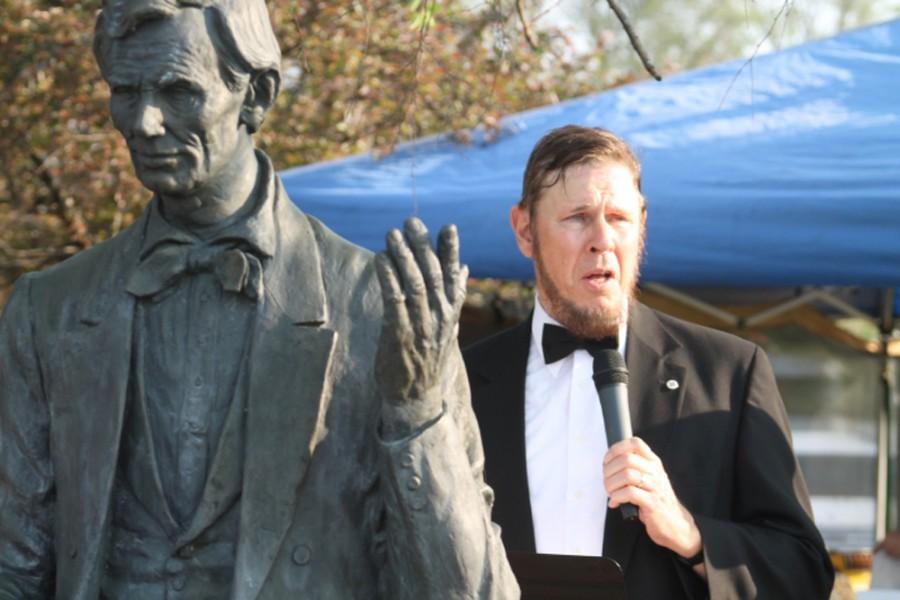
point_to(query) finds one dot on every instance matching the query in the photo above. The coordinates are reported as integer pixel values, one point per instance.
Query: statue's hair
(240, 30)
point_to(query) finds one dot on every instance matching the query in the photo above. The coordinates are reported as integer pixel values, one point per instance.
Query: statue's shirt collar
(255, 231)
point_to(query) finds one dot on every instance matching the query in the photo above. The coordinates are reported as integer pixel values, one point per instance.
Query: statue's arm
(26, 477)
(438, 538)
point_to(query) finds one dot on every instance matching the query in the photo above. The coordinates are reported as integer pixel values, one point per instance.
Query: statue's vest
(149, 555)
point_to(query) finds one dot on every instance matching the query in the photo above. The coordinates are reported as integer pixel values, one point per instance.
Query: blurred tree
(63, 173)
(358, 75)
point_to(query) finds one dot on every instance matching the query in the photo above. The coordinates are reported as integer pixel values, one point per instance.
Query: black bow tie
(558, 343)
(236, 270)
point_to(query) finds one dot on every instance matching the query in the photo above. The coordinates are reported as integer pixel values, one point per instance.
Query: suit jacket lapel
(656, 385)
(500, 408)
(289, 388)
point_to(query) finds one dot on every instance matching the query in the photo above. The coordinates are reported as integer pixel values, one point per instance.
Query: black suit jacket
(723, 437)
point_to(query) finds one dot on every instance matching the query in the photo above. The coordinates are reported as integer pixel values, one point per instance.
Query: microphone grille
(609, 368)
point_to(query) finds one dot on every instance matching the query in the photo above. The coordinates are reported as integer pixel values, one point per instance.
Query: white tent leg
(889, 385)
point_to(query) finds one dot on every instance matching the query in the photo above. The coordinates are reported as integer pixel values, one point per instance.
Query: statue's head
(190, 81)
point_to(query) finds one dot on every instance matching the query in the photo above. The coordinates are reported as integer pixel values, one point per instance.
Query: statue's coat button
(414, 483)
(672, 384)
(174, 566)
(301, 555)
(418, 502)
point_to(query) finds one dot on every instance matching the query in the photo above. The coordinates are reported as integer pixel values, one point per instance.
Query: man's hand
(633, 473)
(423, 295)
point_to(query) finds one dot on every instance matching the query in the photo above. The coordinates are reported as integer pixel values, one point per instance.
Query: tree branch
(71, 217)
(526, 28)
(785, 7)
(47, 179)
(635, 40)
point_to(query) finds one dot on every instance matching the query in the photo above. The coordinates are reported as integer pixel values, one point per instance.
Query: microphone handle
(617, 421)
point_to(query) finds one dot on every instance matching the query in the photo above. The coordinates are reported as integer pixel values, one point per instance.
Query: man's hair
(567, 147)
(239, 29)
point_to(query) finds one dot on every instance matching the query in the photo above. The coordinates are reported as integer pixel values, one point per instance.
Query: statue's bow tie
(558, 342)
(236, 270)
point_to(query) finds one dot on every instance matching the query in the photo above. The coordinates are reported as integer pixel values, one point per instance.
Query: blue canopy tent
(784, 171)
(781, 173)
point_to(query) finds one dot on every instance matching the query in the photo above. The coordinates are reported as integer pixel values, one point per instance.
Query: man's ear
(520, 219)
(261, 94)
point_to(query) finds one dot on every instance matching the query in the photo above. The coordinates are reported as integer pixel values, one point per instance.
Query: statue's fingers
(392, 295)
(448, 253)
(420, 243)
(412, 283)
(459, 289)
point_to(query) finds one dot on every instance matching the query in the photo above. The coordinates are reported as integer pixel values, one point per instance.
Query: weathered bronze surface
(227, 400)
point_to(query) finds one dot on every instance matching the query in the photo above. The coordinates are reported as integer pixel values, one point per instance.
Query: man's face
(586, 239)
(169, 101)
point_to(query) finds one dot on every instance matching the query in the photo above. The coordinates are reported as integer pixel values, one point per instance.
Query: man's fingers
(412, 284)
(626, 471)
(392, 294)
(613, 463)
(628, 476)
(632, 445)
(630, 495)
(420, 243)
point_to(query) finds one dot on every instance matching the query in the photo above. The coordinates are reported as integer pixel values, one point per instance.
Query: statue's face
(180, 120)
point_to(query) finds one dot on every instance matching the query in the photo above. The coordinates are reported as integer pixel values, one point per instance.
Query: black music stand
(557, 577)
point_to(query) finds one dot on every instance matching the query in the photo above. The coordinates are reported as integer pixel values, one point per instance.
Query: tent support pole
(804, 298)
(704, 307)
(847, 308)
(889, 386)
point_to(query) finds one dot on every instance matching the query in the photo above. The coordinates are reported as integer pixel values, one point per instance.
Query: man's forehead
(596, 177)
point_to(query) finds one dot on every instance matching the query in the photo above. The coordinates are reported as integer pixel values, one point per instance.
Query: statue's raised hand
(423, 294)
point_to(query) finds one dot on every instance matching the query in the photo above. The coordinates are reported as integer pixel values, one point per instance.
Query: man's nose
(602, 236)
(148, 121)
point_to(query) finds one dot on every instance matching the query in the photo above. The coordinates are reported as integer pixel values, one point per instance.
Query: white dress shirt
(565, 441)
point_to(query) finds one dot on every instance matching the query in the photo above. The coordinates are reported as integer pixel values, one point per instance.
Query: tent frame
(799, 310)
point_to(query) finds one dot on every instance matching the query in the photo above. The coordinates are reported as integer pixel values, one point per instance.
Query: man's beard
(589, 322)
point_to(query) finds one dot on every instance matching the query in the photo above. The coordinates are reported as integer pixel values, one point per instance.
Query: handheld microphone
(611, 381)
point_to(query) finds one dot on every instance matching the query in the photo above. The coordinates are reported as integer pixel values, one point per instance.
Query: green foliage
(423, 13)
(359, 75)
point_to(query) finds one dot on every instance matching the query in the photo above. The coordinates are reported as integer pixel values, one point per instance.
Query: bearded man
(723, 510)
